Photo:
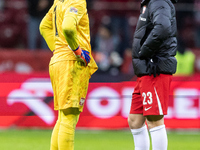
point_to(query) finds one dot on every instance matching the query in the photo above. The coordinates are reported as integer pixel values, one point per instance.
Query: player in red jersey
(154, 48)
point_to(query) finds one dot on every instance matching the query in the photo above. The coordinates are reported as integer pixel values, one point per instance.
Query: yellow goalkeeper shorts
(70, 84)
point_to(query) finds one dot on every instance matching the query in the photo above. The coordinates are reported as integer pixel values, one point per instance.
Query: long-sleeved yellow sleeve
(70, 32)
(46, 30)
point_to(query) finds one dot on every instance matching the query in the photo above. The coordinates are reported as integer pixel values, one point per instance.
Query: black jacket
(155, 37)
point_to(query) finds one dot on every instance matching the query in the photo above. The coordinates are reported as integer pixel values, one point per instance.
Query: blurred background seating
(118, 16)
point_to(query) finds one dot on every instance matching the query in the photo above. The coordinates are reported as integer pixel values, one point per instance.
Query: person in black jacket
(154, 48)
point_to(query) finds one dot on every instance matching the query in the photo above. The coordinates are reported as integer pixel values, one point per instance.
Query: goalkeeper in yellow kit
(66, 31)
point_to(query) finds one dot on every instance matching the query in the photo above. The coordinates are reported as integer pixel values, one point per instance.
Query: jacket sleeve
(160, 16)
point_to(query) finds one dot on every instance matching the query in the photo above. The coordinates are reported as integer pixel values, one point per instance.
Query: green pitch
(91, 140)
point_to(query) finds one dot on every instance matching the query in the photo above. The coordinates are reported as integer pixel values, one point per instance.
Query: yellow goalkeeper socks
(64, 130)
(54, 136)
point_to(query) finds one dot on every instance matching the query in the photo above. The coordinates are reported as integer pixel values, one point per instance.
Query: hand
(82, 56)
(152, 67)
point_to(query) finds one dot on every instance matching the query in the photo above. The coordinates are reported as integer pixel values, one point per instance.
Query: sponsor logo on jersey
(73, 10)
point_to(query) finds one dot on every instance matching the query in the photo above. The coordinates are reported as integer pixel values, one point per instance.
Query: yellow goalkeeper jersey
(67, 13)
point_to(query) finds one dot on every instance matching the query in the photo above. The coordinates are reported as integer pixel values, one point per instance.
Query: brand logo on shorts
(82, 101)
(147, 108)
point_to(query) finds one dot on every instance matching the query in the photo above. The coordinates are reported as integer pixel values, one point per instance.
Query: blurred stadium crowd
(112, 24)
